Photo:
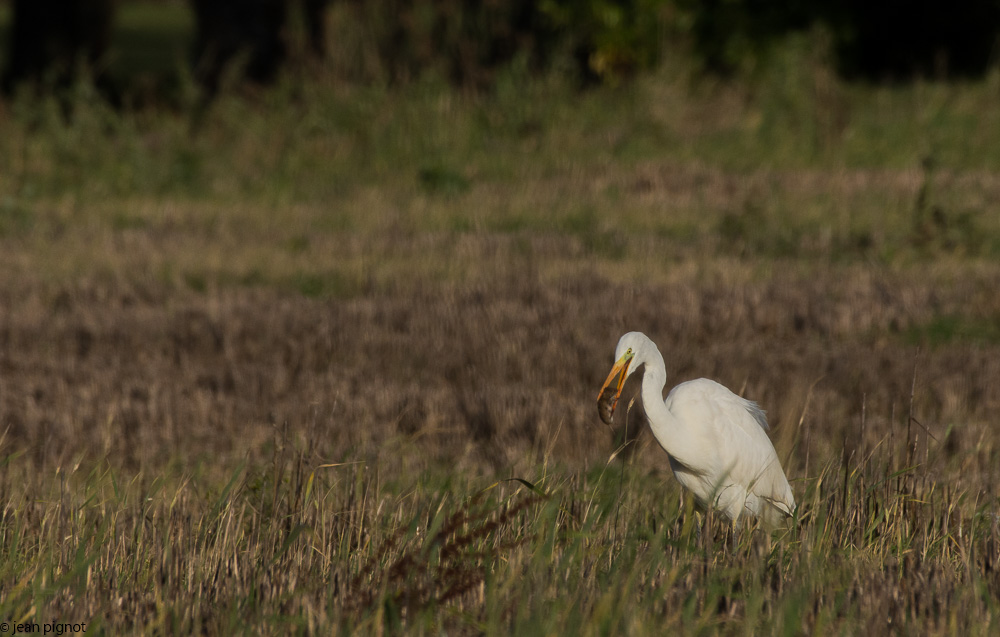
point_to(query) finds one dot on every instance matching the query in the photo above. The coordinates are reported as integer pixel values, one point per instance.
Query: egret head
(633, 351)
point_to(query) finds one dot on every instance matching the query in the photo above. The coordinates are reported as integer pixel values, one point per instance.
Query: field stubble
(353, 434)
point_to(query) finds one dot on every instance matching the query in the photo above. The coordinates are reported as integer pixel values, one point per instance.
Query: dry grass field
(328, 362)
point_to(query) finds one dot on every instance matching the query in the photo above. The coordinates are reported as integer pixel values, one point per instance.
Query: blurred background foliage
(140, 47)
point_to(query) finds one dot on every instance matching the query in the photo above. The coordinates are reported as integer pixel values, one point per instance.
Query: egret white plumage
(716, 441)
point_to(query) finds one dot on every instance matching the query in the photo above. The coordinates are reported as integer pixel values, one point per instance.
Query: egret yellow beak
(619, 372)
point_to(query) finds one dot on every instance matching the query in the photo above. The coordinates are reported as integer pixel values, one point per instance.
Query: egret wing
(737, 450)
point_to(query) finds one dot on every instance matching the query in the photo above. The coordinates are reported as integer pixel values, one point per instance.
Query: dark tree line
(886, 39)
(468, 40)
(51, 39)
(254, 28)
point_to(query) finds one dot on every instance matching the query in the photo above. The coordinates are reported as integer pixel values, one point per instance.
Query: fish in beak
(607, 399)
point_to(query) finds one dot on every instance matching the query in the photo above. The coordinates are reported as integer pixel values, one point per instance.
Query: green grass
(956, 328)
(695, 170)
(290, 544)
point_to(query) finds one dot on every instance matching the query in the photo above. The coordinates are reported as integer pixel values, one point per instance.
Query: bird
(716, 441)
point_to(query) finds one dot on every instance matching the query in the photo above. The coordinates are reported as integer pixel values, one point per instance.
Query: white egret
(716, 441)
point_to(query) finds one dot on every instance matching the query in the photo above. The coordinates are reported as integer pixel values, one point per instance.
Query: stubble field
(330, 365)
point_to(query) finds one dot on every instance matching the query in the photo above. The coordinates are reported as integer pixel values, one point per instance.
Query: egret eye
(629, 352)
